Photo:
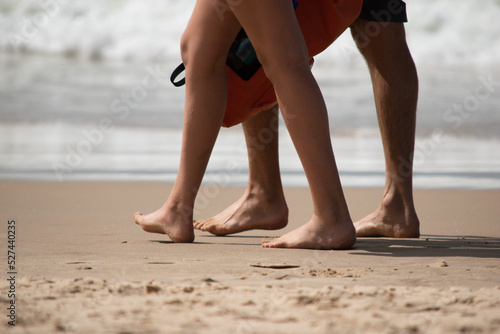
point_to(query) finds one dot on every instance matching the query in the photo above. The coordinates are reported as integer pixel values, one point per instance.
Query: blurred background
(85, 95)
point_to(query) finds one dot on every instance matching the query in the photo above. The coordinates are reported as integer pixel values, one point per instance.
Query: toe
(269, 243)
(197, 224)
(137, 217)
(202, 226)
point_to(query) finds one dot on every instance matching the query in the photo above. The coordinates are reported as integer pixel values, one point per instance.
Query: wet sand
(83, 266)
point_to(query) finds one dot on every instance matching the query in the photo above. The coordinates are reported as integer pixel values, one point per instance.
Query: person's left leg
(276, 36)
(263, 205)
(395, 87)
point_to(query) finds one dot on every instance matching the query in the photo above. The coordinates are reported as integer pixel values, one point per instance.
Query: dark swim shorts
(383, 11)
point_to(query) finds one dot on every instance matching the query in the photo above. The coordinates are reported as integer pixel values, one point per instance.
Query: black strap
(176, 73)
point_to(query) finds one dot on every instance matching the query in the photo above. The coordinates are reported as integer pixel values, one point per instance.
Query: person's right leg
(205, 44)
(395, 86)
(263, 205)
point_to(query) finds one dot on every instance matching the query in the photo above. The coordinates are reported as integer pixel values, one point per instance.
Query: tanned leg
(263, 205)
(283, 54)
(206, 97)
(395, 86)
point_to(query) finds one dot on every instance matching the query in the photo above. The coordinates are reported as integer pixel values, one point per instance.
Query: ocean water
(73, 103)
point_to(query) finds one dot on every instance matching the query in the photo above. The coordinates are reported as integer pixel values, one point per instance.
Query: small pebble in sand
(188, 289)
(150, 288)
(209, 280)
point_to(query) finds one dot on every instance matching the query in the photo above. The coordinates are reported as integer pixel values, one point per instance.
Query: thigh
(272, 28)
(208, 35)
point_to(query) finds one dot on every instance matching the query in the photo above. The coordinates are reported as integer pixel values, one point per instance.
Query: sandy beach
(83, 266)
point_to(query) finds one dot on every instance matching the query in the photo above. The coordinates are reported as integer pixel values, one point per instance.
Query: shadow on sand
(430, 246)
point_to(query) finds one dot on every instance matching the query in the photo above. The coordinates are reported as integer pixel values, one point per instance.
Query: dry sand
(83, 266)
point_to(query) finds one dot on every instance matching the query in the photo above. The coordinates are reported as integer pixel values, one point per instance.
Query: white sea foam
(131, 154)
(109, 29)
(440, 32)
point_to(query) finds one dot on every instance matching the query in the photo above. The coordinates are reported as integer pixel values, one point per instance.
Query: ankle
(270, 199)
(179, 209)
(330, 217)
(398, 198)
(264, 193)
(397, 206)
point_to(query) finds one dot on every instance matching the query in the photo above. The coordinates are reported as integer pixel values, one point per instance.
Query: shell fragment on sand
(275, 266)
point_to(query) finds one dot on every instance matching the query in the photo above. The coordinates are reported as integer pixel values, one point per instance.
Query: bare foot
(177, 226)
(250, 212)
(316, 234)
(389, 221)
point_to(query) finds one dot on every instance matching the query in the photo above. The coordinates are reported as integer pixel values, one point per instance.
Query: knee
(196, 52)
(186, 46)
(283, 65)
